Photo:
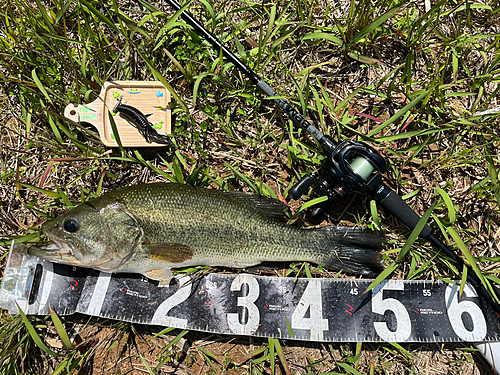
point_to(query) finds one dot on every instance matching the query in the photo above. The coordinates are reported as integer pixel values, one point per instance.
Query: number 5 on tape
(381, 305)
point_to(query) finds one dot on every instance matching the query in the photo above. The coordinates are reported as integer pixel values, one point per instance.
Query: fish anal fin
(163, 275)
(169, 252)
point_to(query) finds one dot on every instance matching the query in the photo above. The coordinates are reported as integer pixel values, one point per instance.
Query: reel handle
(299, 189)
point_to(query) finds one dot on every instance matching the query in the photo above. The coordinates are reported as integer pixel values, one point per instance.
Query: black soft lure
(140, 121)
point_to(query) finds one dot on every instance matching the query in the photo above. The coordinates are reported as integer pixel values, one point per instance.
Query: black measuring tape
(318, 309)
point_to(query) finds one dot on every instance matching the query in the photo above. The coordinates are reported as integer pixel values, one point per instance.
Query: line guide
(318, 309)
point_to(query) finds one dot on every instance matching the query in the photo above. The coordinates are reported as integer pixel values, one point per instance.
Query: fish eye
(71, 225)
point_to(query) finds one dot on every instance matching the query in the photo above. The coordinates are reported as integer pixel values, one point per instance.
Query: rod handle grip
(393, 203)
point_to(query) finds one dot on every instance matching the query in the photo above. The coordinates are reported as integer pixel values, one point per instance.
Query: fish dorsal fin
(168, 252)
(266, 206)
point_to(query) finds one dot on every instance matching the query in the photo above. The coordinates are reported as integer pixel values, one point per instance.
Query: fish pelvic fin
(352, 250)
(163, 275)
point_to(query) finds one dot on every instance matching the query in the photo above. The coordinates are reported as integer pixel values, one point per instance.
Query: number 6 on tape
(457, 309)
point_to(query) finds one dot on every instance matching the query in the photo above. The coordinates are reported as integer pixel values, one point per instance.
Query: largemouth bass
(151, 228)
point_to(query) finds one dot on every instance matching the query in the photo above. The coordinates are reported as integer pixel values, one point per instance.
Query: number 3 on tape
(250, 310)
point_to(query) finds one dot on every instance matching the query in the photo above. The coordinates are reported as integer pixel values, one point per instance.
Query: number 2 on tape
(161, 318)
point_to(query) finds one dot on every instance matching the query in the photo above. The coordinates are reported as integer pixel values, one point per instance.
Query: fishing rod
(350, 166)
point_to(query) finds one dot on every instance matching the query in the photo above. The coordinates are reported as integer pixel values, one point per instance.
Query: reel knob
(297, 190)
(317, 213)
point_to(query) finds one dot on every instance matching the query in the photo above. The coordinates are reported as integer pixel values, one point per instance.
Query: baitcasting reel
(351, 166)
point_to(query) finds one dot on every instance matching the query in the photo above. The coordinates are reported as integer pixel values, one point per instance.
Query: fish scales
(152, 228)
(213, 225)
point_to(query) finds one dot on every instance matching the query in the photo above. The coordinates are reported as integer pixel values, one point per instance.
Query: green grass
(420, 85)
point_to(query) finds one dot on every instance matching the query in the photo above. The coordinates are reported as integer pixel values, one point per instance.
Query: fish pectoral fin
(168, 252)
(163, 275)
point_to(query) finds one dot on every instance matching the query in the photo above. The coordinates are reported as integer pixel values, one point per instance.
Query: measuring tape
(327, 310)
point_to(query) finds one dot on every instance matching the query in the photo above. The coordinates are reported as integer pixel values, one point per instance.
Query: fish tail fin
(352, 250)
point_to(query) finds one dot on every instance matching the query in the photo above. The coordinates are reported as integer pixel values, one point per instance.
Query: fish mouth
(57, 251)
